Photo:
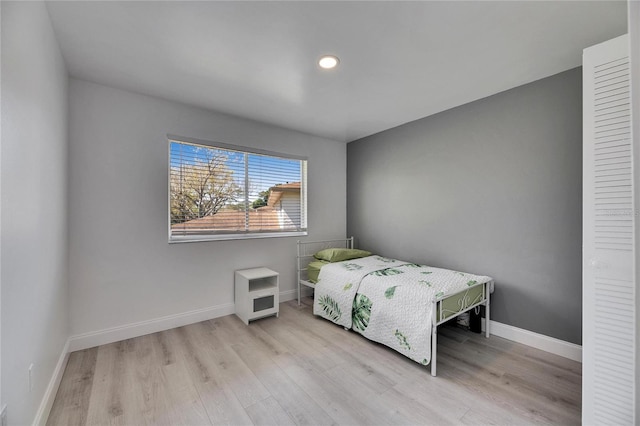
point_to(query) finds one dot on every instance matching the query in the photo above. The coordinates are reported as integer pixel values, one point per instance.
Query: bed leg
(487, 313)
(434, 345)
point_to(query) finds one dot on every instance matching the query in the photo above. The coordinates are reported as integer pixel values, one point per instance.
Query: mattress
(449, 307)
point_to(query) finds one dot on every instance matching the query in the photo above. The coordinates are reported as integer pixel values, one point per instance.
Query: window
(219, 191)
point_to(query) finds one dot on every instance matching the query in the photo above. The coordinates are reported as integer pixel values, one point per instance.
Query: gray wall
(34, 206)
(122, 269)
(493, 187)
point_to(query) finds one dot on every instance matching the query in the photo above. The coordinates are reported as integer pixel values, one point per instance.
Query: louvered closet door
(608, 254)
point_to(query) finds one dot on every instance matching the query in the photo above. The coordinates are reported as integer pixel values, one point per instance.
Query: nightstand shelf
(257, 293)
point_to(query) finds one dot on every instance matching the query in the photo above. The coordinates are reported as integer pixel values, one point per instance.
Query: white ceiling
(400, 61)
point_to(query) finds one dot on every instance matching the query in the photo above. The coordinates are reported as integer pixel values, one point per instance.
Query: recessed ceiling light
(328, 62)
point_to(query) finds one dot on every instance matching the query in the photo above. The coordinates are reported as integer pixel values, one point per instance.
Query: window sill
(201, 238)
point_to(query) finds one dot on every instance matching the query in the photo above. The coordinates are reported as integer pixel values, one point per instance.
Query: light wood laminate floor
(300, 369)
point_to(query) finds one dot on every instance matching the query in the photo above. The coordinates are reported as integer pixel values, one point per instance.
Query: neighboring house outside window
(220, 191)
(285, 199)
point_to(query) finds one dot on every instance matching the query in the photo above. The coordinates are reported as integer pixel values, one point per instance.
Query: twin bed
(399, 304)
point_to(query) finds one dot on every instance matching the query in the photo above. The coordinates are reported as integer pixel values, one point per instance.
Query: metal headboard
(305, 252)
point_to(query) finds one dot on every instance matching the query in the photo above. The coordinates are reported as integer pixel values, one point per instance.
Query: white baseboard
(526, 337)
(293, 294)
(288, 295)
(52, 388)
(116, 334)
(128, 331)
(538, 341)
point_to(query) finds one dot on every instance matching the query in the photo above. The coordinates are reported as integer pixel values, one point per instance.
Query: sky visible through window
(263, 171)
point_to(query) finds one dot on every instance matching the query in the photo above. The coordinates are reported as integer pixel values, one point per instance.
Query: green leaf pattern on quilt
(330, 308)
(361, 312)
(384, 259)
(390, 292)
(424, 283)
(351, 266)
(402, 339)
(413, 265)
(472, 282)
(426, 272)
(347, 287)
(386, 272)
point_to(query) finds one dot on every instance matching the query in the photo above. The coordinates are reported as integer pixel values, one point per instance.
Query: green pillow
(340, 254)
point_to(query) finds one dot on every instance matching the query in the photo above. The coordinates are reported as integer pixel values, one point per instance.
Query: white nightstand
(257, 293)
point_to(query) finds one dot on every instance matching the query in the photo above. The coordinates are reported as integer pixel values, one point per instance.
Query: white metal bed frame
(306, 250)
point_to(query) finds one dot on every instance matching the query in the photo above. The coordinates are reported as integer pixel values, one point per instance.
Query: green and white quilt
(387, 300)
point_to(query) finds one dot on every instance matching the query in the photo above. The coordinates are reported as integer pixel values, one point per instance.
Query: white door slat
(609, 308)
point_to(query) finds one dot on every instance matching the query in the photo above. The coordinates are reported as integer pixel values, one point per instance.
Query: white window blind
(219, 191)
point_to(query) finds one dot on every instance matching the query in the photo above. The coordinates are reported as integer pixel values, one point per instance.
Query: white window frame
(236, 235)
